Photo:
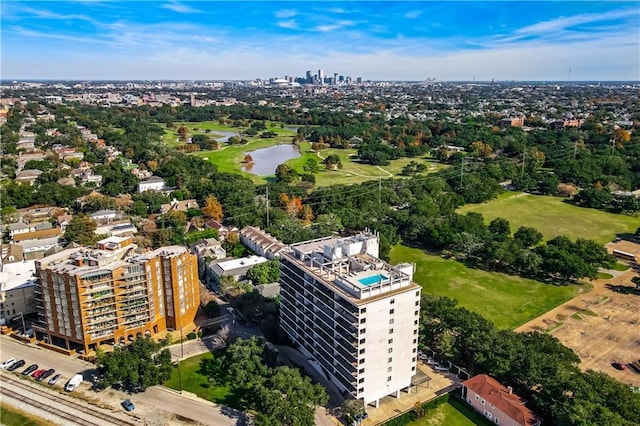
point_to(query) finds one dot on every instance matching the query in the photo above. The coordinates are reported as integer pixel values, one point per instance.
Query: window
(393, 301)
(416, 313)
(482, 401)
(360, 390)
(361, 351)
(389, 369)
(363, 320)
(491, 405)
(390, 350)
(468, 400)
(389, 379)
(497, 420)
(390, 341)
(415, 322)
(391, 321)
(391, 311)
(417, 303)
(414, 350)
(413, 368)
(389, 359)
(415, 341)
(418, 293)
(363, 310)
(361, 361)
(361, 371)
(361, 380)
(391, 331)
(477, 397)
(413, 359)
(362, 341)
(363, 330)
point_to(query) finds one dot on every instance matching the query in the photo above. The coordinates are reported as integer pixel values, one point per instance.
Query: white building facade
(352, 313)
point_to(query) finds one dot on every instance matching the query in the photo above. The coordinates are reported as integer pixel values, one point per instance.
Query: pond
(266, 160)
(225, 135)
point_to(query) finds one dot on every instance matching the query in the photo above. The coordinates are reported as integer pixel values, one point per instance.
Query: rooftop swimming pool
(374, 279)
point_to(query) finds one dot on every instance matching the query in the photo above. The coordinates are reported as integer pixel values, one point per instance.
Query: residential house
(29, 176)
(104, 215)
(512, 121)
(497, 402)
(35, 243)
(180, 206)
(261, 242)
(11, 253)
(207, 249)
(154, 183)
(63, 221)
(141, 174)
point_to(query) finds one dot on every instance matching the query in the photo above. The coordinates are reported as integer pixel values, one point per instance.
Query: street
(158, 406)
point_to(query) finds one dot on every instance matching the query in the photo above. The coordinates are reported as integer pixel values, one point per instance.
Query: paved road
(156, 405)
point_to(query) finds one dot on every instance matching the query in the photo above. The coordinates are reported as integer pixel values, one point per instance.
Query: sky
(375, 40)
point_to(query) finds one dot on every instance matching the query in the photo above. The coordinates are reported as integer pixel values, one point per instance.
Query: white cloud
(413, 14)
(290, 24)
(179, 7)
(336, 26)
(284, 14)
(559, 24)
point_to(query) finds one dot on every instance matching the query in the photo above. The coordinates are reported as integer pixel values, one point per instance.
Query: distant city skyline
(201, 40)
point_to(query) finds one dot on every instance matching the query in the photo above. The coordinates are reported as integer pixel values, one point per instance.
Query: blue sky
(461, 40)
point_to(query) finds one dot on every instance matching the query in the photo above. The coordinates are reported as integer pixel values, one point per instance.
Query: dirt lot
(601, 326)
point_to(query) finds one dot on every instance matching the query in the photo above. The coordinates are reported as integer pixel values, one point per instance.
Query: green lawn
(553, 217)
(197, 381)
(10, 416)
(509, 301)
(452, 413)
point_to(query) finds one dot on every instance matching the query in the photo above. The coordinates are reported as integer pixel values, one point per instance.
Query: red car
(618, 365)
(36, 374)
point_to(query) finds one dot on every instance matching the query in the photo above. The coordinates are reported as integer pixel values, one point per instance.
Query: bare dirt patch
(601, 326)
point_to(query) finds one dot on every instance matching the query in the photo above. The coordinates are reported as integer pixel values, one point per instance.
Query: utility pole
(267, 205)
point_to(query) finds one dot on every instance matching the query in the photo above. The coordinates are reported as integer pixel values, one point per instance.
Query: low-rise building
(261, 242)
(497, 402)
(154, 183)
(28, 176)
(17, 289)
(180, 206)
(236, 268)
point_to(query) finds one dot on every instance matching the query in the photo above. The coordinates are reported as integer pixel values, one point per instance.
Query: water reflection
(266, 160)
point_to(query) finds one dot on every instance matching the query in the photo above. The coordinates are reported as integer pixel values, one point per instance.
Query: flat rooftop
(17, 275)
(351, 268)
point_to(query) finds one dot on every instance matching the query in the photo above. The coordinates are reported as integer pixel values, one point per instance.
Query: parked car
(618, 365)
(7, 363)
(54, 379)
(230, 310)
(128, 405)
(431, 361)
(30, 369)
(439, 367)
(36, 374)
(73, 383)
(46, 374)
(16, 365)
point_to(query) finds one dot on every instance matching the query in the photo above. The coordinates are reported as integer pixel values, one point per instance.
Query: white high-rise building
(354, 314)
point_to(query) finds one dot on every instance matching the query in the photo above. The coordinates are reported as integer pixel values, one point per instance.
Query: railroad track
(99, 415)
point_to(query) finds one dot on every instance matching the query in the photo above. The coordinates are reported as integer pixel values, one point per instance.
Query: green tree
(81, 230)
(136, 366)
(264, 273)
(284, 173)
(311, 166)
(527, 236)
(288, 398)
(244, 363)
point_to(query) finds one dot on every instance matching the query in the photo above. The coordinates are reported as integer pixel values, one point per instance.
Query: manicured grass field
(11, 416)
(508, 301)
(452, 413)
(229, 158)
(195, 380)
(553, 217)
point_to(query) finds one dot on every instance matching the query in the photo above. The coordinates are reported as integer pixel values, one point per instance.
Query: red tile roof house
(497, 402)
